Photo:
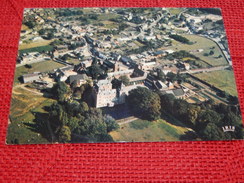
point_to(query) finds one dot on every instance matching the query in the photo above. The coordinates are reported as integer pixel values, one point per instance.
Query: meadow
(201, 43)
(223, 80)
(148, 131)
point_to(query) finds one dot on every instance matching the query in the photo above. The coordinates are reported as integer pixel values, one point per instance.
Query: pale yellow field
(35, 44)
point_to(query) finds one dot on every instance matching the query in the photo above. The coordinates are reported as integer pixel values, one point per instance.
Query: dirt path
(35, 92)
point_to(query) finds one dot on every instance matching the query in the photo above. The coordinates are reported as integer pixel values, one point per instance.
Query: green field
(175, 11)
(23, 121)
(201, 43)
(36, 49)
(36, 67)
(148, 131)
(223, 80)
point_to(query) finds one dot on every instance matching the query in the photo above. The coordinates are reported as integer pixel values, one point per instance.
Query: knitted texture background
(215, 161)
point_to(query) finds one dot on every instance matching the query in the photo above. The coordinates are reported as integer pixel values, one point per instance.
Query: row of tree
(179, 38)
(207, 119)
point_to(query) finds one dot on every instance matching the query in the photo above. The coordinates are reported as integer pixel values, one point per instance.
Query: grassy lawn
(221, 79)
(175, 11)
(36, 67)
(148, 131)
(23, 106)
(35, 45)
(36, 49)
(201, 43)
(110, 24)
(73, 61)
(107, 16)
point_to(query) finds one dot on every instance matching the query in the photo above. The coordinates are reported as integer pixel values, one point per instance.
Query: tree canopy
(144, 101)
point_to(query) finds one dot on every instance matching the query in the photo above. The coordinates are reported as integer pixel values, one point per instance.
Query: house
(27, 78)
(183, 66)
(150, 80)
(159, 53)
(187, 66)
(160, 85)
(147, 65)
(82, 66)
(115, 56)
(138, 76)
(63, 73)
(126, 60)
(117, 74)
(79, 79)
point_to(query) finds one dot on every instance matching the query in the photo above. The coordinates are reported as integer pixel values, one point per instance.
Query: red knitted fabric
(212, 161)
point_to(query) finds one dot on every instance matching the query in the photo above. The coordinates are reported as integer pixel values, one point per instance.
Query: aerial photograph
(92, 75)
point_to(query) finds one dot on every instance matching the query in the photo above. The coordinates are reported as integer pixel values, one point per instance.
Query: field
(34, 44)
(36, 67)
(201, 43)
(24, 107)
(175, 11)
(110, 24)
(223, 80)
(36, 49)
(146, 131)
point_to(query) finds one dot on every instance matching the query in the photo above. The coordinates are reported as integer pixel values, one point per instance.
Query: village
(137, 67)
(116, 51)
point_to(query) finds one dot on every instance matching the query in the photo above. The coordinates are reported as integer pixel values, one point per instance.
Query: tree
(41, 32)
(179, 38)
(50, 35)
(31, 24)
(64, 134)
(116, 83)
(84, 107)
(167, 101)
(180, 108)
(145, 102)
(28, 66)
(125, 80)
(171, 76)
(160, 75)
(233, 100)
(72, 123)
(59, 90)
(212, 132)
(123, 26)
(111, 123)
(55, 117)
(192, 114)
(95, 71)
(93, 127)
(230, 119)
(205, 117)
(211, 52)
(222, 108)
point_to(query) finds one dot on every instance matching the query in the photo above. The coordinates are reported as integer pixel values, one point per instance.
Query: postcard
(91, 75)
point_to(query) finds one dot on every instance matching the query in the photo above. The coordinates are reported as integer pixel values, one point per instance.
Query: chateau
(105, 96)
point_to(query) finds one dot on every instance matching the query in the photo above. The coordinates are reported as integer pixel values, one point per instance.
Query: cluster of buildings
(137, 68)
